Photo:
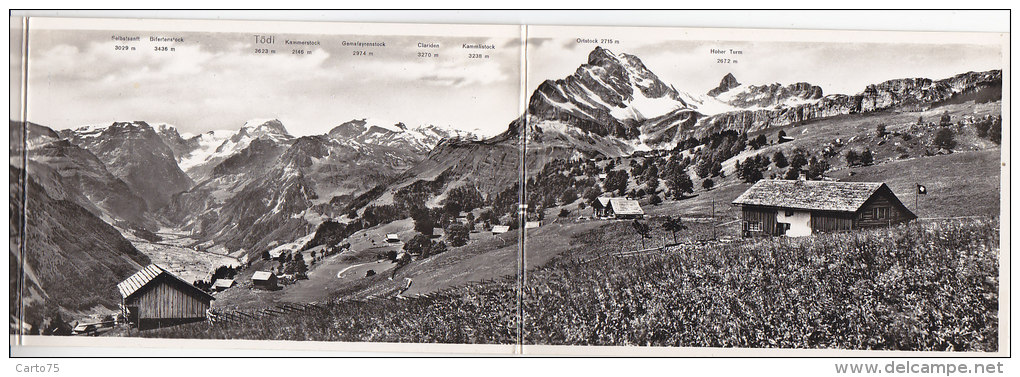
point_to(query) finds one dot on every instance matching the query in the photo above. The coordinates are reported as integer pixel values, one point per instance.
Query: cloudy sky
(216, 81)
(845, 68)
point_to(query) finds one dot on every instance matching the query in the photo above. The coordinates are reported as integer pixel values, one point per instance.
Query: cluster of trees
(990, 127)
(719, 147)
(859, 159)
(422, 246)
(758, 142)
(561, 182)
(753, 169)
(296, 266)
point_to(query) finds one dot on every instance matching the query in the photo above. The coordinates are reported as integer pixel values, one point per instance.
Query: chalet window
(754, 226)
(789, 213)
(881, 213)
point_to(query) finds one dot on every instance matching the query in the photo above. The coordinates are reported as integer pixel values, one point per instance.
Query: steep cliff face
(769, 96)
(607, 96)
(912, 94)
(69, 172)
(72, 259)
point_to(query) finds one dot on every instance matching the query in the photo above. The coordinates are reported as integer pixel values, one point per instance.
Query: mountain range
(259, 186)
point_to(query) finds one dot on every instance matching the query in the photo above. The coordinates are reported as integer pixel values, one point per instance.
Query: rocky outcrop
(728, 82)
(915, 93)
(607, 96)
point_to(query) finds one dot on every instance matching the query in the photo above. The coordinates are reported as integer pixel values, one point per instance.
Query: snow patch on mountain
(207, 148)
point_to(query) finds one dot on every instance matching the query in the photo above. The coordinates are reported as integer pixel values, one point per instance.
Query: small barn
(621, 208)
(438, 232)
(222, 284)
(801, 208)
(532, 224)
(392, 238)
(277, 253)
(500, 229)
(155, 298)
(264, 280)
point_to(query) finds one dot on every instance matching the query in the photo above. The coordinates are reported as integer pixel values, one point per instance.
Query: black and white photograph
(762, 192)
(509, 189)
(356, 184)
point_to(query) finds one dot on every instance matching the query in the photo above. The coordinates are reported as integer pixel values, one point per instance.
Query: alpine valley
(100, 201)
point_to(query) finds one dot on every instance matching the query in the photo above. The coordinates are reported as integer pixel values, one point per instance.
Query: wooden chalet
(153, 297)
(264, 280)
(801, 208)
(621, 208)
(222, 284)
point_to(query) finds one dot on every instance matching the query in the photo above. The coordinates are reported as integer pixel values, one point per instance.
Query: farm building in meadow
(154, 298)
(801, 208)
(264, 280)
(500, 229)
(222, 284)
(621, 208)
(392, 238)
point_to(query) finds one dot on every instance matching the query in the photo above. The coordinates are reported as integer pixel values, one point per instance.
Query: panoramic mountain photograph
(758, 194)
(462, 184)
(268, 185)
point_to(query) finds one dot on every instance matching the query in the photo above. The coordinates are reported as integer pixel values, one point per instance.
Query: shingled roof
(622, 206)
(135, 282)
(810, 195)
(261, 275)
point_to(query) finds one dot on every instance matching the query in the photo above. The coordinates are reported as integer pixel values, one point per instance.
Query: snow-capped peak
(374, 131)
(264, 127)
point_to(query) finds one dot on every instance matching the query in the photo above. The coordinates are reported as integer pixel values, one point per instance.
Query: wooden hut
(621, 208)
(801, 208)
(154, 298)
(222, 284)
(264, 280)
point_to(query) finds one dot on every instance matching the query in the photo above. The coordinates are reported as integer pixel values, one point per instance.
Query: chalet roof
(135, 282)
(225, 283)
(532, 224)
(623, 206)
(261, 275)
(499, 229)
(810, 195)
(602, 201)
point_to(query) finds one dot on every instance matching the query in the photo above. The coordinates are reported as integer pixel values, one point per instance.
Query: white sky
(215, 81)
(845, 68)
